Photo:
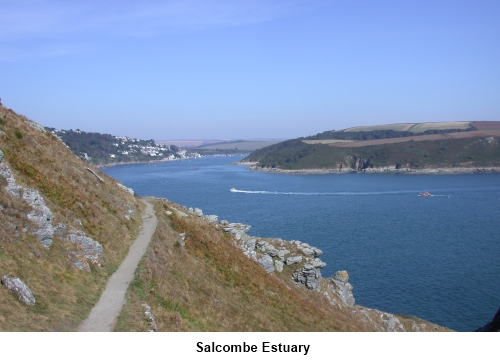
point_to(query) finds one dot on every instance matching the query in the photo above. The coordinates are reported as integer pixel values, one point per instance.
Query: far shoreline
(160, 161)
(392, 169)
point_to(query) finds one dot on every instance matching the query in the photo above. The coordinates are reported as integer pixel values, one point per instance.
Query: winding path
(103, 316)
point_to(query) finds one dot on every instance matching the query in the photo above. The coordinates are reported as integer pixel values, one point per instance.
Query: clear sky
(198, 69)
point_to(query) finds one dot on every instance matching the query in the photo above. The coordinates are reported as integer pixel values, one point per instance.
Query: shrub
(18, 134)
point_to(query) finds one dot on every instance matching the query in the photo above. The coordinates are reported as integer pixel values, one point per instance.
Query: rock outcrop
(40, 214)
(151, 318)
(17, 286)
(123, 187)
(493, 326)
(356, 163)
(88, 250)
(339, 284)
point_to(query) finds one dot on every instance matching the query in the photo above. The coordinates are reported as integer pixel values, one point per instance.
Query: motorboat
(424, 194)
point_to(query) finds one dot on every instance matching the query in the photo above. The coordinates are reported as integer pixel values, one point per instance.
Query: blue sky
(248, 69)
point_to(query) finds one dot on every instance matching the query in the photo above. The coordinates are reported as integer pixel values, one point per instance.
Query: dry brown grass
(209, 285)
(64, 295)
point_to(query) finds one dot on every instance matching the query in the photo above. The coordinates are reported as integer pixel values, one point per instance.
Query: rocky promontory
(300, 263)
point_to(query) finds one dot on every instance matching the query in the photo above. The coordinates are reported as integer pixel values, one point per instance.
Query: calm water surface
(437, 258)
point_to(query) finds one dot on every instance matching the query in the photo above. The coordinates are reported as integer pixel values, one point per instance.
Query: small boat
(233, 190)
(424, 194)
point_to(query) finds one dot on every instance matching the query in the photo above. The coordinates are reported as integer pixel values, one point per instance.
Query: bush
(18, 134)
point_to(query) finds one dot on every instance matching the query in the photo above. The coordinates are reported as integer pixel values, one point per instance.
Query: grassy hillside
(231, 147)
(79, 201)
(100, 149)
(374, 149)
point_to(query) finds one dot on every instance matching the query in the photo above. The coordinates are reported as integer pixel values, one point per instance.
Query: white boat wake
(324, 193)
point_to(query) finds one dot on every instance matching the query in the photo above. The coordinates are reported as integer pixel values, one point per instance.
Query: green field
(422, 127)
(239, 145)
(395, 127)
(412, 127)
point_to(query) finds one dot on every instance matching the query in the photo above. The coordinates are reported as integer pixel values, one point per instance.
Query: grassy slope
(64, 294)
(209, 285)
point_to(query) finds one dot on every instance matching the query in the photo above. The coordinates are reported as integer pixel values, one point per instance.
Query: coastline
(133, 163)
(390, 169)
(159, 161)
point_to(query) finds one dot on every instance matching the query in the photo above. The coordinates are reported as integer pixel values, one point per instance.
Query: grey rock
(282, 253)
(12, 188)
(392, 324)
(237, 229)
(271, 250)
(249, 244)
(261, 245)
(309, 276)
(267, 263)
(151, 318)
(278, 264)
(33, 124)
(198, 212)
(17, 286)
(251, 254)
(356, 163)
(1, 155)
(60, 231)
(293, 259)
(40, 215)
(180, 213)
(125, 188)
(341, 276)
(340, 285)
(318, 263)
(130, 211)
(96, 175)
(307, 251)
(212, 218)
(89, 250)
(317, 252)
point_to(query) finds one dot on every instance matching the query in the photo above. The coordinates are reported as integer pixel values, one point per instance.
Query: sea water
(437, 258)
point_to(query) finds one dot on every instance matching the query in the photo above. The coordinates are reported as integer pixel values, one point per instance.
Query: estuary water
(437, 258)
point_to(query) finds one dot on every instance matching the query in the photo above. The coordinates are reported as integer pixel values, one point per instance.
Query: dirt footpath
(102, 317)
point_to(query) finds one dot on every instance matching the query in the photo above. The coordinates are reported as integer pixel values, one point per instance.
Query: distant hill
(402, 146)
(232, 147)
(100, 149)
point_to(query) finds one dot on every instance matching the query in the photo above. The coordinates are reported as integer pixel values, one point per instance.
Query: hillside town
(100, 149)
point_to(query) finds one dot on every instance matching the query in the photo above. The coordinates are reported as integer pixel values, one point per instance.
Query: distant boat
(424, 194)
(233, 190)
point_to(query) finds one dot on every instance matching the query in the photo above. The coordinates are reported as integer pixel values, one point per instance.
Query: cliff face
(65, 227)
